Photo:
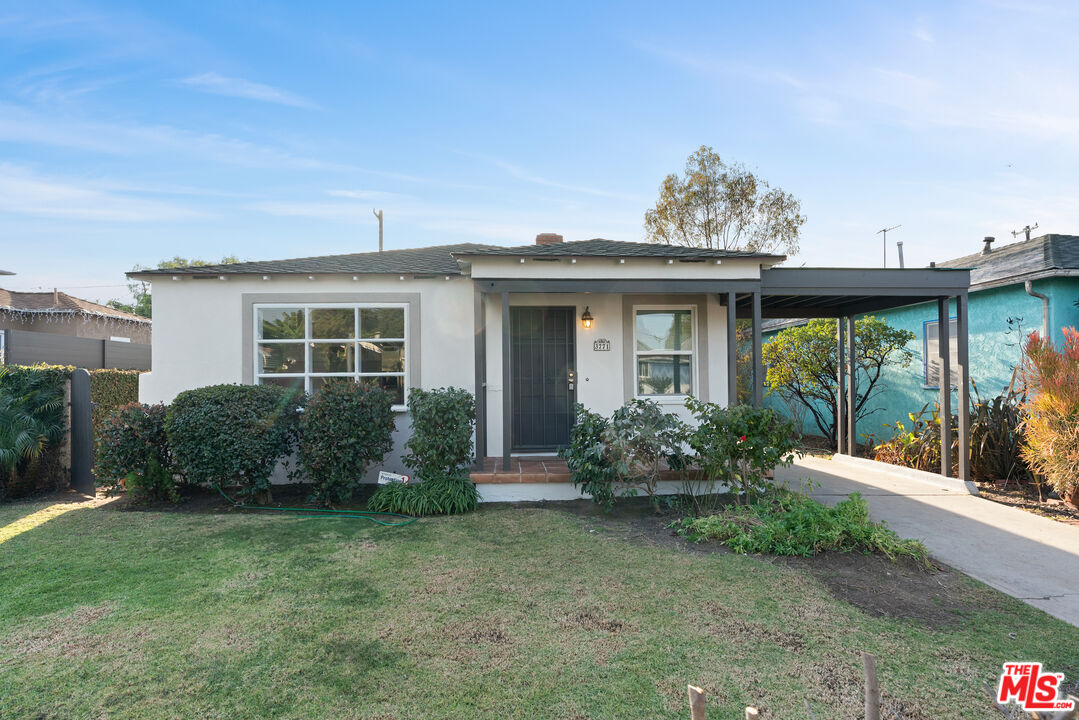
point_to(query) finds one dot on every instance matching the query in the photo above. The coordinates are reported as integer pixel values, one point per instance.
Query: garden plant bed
(1026, 498)
(563, 611)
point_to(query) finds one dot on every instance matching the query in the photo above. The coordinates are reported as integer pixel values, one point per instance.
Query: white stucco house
(529, 330)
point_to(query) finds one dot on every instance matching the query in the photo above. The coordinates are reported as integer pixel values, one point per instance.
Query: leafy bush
(996, 439)
(442, 423)
(1052, 428)
(918, 446)
(346, 427)
(789, 523)
(585, 455)
(131, 451)
(638, 439)
(434, 496)
(997, 436)
(233, 434)
(740, 444)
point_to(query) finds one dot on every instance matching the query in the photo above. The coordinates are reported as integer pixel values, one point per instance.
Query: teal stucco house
(1014, 290)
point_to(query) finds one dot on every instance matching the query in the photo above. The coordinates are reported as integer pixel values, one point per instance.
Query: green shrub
(638, 439)
(346, 427)
(740, 444)
(131, 451)
(585, 456)
(442, 424)
(789, 523)
(434, 496)
(233, 434)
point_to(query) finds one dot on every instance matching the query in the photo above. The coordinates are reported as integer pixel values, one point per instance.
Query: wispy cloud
(23, 192)
(216, 84)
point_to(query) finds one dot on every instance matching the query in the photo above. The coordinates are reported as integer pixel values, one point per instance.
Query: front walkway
(1027, 556)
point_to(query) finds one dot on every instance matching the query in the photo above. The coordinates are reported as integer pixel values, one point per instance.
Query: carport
(844, 294)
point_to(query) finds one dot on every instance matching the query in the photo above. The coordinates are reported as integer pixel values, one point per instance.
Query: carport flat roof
(839, 292)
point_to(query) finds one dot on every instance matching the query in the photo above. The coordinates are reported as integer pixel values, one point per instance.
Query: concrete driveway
(1027, 556)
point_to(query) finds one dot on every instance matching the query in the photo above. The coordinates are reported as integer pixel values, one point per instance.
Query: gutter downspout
(1045, 307)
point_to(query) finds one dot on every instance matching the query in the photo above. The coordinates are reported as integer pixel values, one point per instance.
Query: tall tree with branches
(724, 206)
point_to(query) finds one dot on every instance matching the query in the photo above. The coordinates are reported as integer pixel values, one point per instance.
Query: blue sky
(131, 132)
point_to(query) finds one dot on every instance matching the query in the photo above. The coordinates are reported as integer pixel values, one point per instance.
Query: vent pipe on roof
(55, 296)
(548, 238)
(988, 245)
(899, 244)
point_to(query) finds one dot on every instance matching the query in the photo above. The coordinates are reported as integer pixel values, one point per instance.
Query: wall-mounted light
(586, 317)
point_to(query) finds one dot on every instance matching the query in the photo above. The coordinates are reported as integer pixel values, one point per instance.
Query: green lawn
(508, 612)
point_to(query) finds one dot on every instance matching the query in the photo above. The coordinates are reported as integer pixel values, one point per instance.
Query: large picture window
(932, 352)
(304, 346)
(664, 341)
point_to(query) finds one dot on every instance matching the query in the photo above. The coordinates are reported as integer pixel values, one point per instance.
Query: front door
(543, 377)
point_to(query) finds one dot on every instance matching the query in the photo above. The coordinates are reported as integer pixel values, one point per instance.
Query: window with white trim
(306, 345)
(932, 352)
(664, 341)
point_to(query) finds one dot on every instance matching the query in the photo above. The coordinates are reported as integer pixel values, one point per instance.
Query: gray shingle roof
(599, 247)
(1038, 255)
(436, 260)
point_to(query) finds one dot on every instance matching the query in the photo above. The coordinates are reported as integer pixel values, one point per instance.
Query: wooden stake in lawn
(872, 687)
(696, 703)
(752, 713)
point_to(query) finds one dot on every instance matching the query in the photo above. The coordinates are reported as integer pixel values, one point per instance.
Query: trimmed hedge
(233, 434)
(346, 428)
(111, 389)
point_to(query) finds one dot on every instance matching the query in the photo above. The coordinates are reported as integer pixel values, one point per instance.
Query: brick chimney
(988, 245)
(548, 238)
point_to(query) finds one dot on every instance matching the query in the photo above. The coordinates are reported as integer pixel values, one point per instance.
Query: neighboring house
(57, 328)
(529, 330)
(1002, 313)
(62, 314)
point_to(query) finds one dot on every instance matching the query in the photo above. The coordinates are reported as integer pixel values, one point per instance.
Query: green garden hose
(316, 513)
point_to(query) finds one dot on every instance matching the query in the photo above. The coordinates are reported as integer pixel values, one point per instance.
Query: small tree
(802, 365)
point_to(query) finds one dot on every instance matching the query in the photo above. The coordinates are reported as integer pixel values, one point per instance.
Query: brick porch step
(534, 469)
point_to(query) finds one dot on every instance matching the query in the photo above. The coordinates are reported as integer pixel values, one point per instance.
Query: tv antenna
(1025, 231)
(884, 232)
(378, 214)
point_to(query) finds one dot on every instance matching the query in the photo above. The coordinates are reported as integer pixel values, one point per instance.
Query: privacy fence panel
(22, 347)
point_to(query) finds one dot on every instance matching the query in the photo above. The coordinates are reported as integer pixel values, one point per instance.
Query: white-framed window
(304, 345)
(665, 350)
(931, 359)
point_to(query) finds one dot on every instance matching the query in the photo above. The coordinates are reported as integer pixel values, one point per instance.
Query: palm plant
(31, 418)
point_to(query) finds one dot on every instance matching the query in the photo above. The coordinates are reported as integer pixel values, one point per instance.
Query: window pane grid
(664, 345)
(375, 355)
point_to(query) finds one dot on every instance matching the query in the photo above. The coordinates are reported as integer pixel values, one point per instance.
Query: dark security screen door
(542, 372)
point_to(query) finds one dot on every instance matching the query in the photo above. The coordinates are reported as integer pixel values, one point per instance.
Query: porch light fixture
(586, 317)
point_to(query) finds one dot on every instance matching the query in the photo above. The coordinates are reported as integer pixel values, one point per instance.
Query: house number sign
(601, 345)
